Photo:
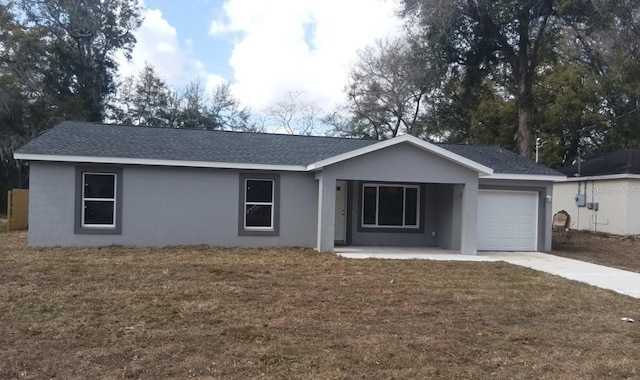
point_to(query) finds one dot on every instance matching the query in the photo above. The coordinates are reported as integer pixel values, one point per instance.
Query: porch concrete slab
(618, 280)
(407, 253)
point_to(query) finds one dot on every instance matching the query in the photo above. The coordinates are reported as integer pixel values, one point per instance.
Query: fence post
(9, 204)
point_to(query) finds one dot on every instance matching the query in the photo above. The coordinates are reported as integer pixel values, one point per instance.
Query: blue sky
(263, 48)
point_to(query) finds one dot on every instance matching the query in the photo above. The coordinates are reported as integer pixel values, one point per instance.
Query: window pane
(411, 207)
(99, 185)
(98, 212)
(390, 206)
(259, 190)
(369, 205)
(258, 216)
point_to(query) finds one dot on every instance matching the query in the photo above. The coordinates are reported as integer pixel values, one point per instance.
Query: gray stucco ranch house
(96, 184)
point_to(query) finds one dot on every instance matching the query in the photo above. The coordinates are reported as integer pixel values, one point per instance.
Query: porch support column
(468, 234)
(326, 212)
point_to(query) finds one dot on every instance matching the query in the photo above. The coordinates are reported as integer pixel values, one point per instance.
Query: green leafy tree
(228, 112)
(571, 112)
(80, 39)
(56, 62)
(150, 99)
(504, 40)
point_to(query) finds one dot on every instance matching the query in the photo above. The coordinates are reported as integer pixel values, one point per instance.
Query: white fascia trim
(481, 169)
(152, 162)
(600, 177)
(526, 177)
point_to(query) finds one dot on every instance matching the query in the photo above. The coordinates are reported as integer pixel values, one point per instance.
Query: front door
(341, 212)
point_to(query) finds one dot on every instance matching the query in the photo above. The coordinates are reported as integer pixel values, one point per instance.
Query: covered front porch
(402, 193)
(399, 214)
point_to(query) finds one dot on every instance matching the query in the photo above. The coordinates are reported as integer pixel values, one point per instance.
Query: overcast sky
(264, 48)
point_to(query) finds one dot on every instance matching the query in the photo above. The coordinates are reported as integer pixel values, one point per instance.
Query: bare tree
(293, 115)
(387, 88)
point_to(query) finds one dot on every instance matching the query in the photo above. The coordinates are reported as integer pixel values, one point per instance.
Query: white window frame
(404, 202)
(272, 204)
(114, 200)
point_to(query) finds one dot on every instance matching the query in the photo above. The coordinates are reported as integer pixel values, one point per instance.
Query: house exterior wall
(618, 205)
(402, 164)
(545, 192)
(169, 206)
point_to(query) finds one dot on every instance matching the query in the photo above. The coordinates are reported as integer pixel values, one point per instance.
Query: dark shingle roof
(622, 162)
(104, 140)
(501, 160)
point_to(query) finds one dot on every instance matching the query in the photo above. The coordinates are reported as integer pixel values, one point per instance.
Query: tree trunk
(525, 116)
(525, 127)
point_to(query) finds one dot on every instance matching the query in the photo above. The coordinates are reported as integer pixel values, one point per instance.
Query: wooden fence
(18, 210)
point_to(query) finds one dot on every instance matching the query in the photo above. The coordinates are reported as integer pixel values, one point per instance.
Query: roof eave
(600, 177)
(527, 177)
(156, 162)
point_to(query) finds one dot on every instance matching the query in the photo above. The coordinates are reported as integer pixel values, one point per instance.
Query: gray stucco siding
(401, 163)
(545, 212)
(169, 206)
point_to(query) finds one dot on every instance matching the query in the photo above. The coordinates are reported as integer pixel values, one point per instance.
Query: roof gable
(426, 146)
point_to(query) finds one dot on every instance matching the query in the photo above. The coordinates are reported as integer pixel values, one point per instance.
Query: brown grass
(616, 251)
(292, 313)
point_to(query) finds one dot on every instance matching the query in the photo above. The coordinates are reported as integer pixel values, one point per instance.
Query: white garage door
(507, 220)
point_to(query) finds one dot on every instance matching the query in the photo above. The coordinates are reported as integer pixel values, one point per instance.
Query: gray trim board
(350, 200)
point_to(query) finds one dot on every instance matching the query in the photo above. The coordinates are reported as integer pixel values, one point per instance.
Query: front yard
(237, 314)
(622, 252)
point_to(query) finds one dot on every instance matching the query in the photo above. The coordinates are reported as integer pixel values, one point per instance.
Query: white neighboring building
(604, 195)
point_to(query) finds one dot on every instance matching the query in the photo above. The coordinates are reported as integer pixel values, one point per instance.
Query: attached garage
(507, 220)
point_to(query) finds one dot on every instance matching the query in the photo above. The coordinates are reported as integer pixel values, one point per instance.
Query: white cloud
(158, 44)
(213, 81)
(299, 45)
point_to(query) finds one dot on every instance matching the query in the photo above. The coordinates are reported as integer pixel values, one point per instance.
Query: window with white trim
(98, 200)
(390, 206)
(259, 204)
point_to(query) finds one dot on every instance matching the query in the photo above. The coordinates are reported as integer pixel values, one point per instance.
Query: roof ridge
(96, 123)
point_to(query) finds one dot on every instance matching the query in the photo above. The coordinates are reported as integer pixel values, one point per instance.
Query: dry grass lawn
(294, 314)
(616, 251)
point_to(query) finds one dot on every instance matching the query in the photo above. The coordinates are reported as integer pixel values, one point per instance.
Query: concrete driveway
(620, 281)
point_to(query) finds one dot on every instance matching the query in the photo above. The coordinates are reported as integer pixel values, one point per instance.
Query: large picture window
(390, 206)
(98, 200)
(259, 204)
